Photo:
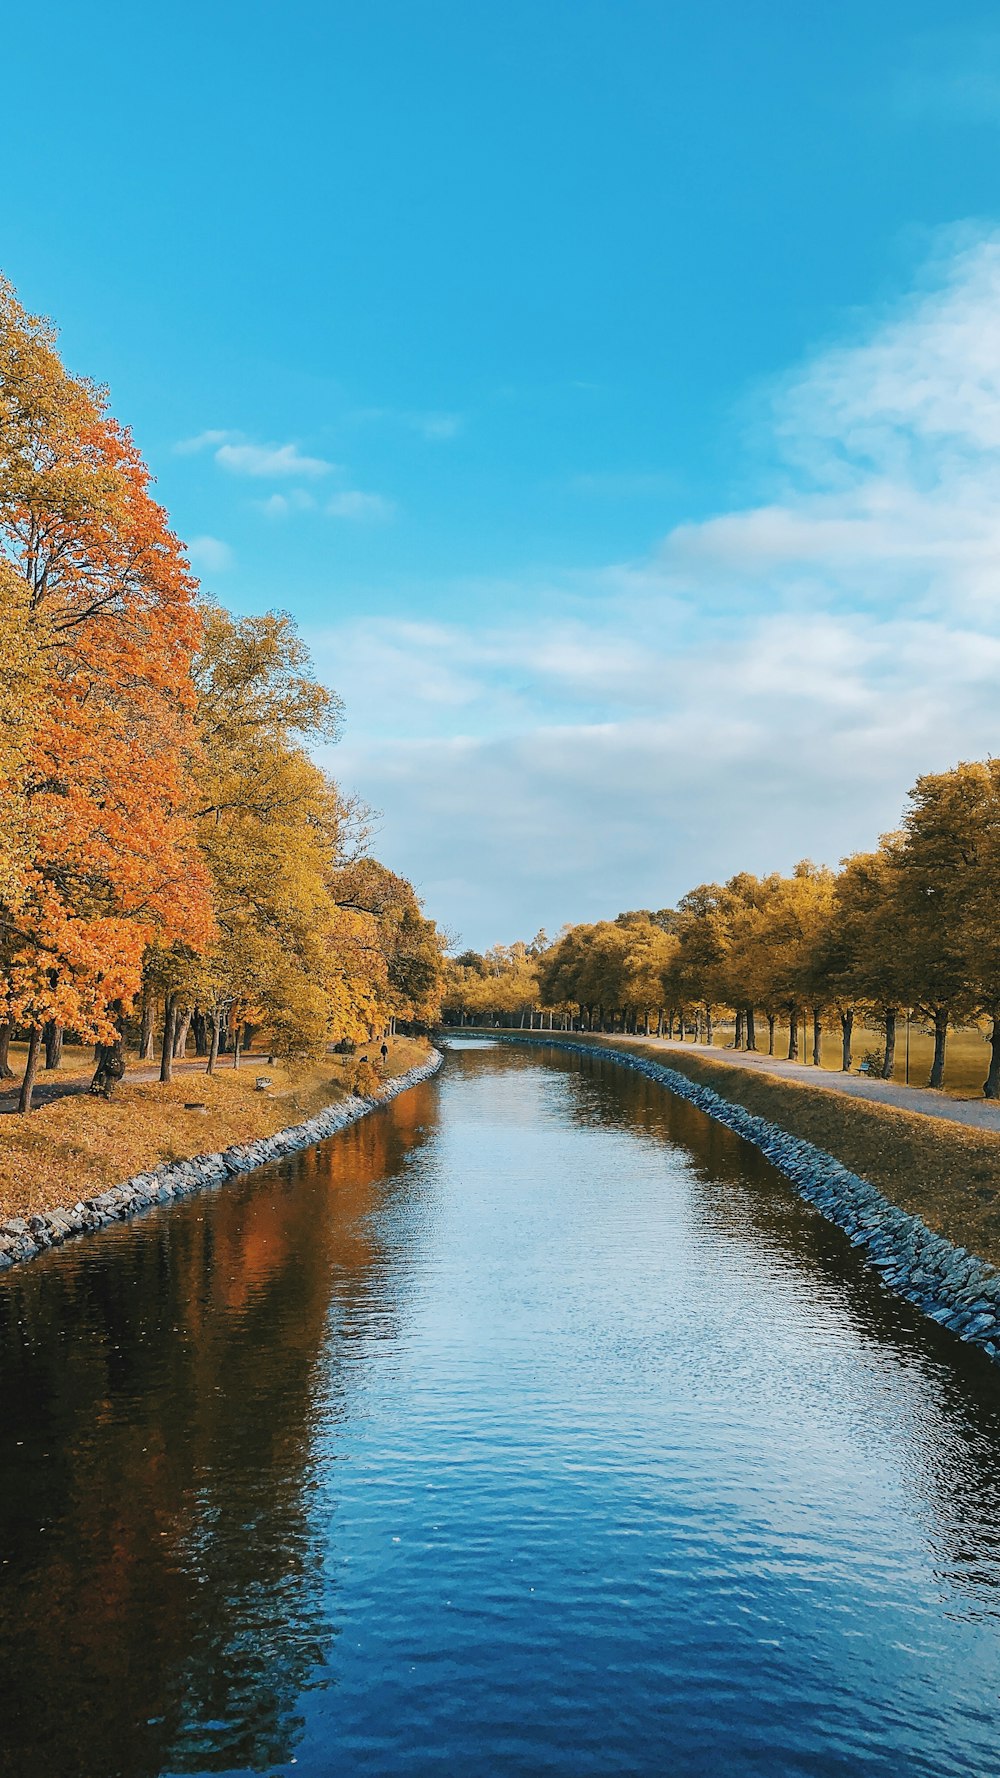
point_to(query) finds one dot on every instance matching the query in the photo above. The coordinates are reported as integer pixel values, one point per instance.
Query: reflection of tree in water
(162, 1603)
(946, 1394)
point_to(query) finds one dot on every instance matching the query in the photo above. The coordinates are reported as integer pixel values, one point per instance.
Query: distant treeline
(911, 928)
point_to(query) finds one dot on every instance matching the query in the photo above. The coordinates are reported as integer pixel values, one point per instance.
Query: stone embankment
(24, 1238)
(952, 1286)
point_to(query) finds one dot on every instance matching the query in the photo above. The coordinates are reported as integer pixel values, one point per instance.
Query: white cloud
(351, 503)
(187, 447)
(211, 554)
(278, 506)
(766, 687)
(241, 457)
(428, 423)
(270, 460)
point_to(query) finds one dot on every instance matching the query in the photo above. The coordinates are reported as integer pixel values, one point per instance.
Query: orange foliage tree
(107, 860)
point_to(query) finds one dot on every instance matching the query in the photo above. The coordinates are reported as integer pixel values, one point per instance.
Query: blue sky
(612, 391)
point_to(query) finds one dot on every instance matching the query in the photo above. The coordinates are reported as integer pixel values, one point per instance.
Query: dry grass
(943, 1172)
(79, 1145)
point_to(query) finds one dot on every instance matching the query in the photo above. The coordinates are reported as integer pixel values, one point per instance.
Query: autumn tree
(106, 857)
(398, 933)
(932, 873)
(979, 928)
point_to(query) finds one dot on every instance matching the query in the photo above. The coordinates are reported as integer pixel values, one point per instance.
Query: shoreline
(24, 1238)
(950, 1285)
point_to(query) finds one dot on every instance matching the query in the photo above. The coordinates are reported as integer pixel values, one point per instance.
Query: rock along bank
(23, 1238)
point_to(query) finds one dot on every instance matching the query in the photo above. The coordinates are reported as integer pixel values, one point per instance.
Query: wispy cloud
(434, 425)
(241, 456)
(210, 553)
(279, 506)
(270, 460)
(202, 441)
(889, 462)
(352, 503)
(953, 79)
(437, 426)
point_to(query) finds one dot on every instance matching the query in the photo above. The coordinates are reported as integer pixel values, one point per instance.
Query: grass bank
(78, 1146)
(944, 1173)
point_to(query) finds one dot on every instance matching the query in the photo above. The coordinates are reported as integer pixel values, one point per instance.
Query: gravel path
(57, 1085)
(979, 1114)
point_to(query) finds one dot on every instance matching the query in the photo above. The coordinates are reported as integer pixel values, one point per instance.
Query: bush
(364, 1079)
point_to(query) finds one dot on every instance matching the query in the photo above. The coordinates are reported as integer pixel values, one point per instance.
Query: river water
(530, 1426)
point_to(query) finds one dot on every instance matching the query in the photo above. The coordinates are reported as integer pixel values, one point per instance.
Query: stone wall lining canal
(24, 1238)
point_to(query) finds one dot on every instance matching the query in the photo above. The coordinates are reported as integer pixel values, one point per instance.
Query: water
(531, 1426)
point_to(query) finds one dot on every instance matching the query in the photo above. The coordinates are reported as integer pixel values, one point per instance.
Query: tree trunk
(670, 1025)
(169, 1029)
(889, 1053)
(793, 1035)
(770, 1034)
(199, 1025)
(237, 1034)
(940, 1043)
(148, 1020)
(110, 1068)
(6, 1032)
(697, 1025)
(846, 1034)
(991, 1088)
(817, 1037)
(30, 1069)
(751, 1030)
(213, 1053)
(53, 1043)
(738, 1034)
(708, 1026)
(181, 1035)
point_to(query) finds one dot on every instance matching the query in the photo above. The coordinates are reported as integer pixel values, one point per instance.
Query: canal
(530, 1426)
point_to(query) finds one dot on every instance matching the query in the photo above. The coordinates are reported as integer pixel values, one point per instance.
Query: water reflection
(163, 1599)
(532, 1425)
(946, 1393)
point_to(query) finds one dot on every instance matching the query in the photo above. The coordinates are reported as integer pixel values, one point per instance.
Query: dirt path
(50, 1087)
(979, 1114)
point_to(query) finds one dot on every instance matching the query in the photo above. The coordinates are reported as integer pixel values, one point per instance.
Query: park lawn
(79, 1145)
(945, 1173)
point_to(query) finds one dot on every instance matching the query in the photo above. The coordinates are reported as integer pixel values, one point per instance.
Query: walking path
(59, 1085)
(979, 1114)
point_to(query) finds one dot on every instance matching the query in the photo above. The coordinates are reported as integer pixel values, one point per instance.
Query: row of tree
(168, 848)
(911, 927)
